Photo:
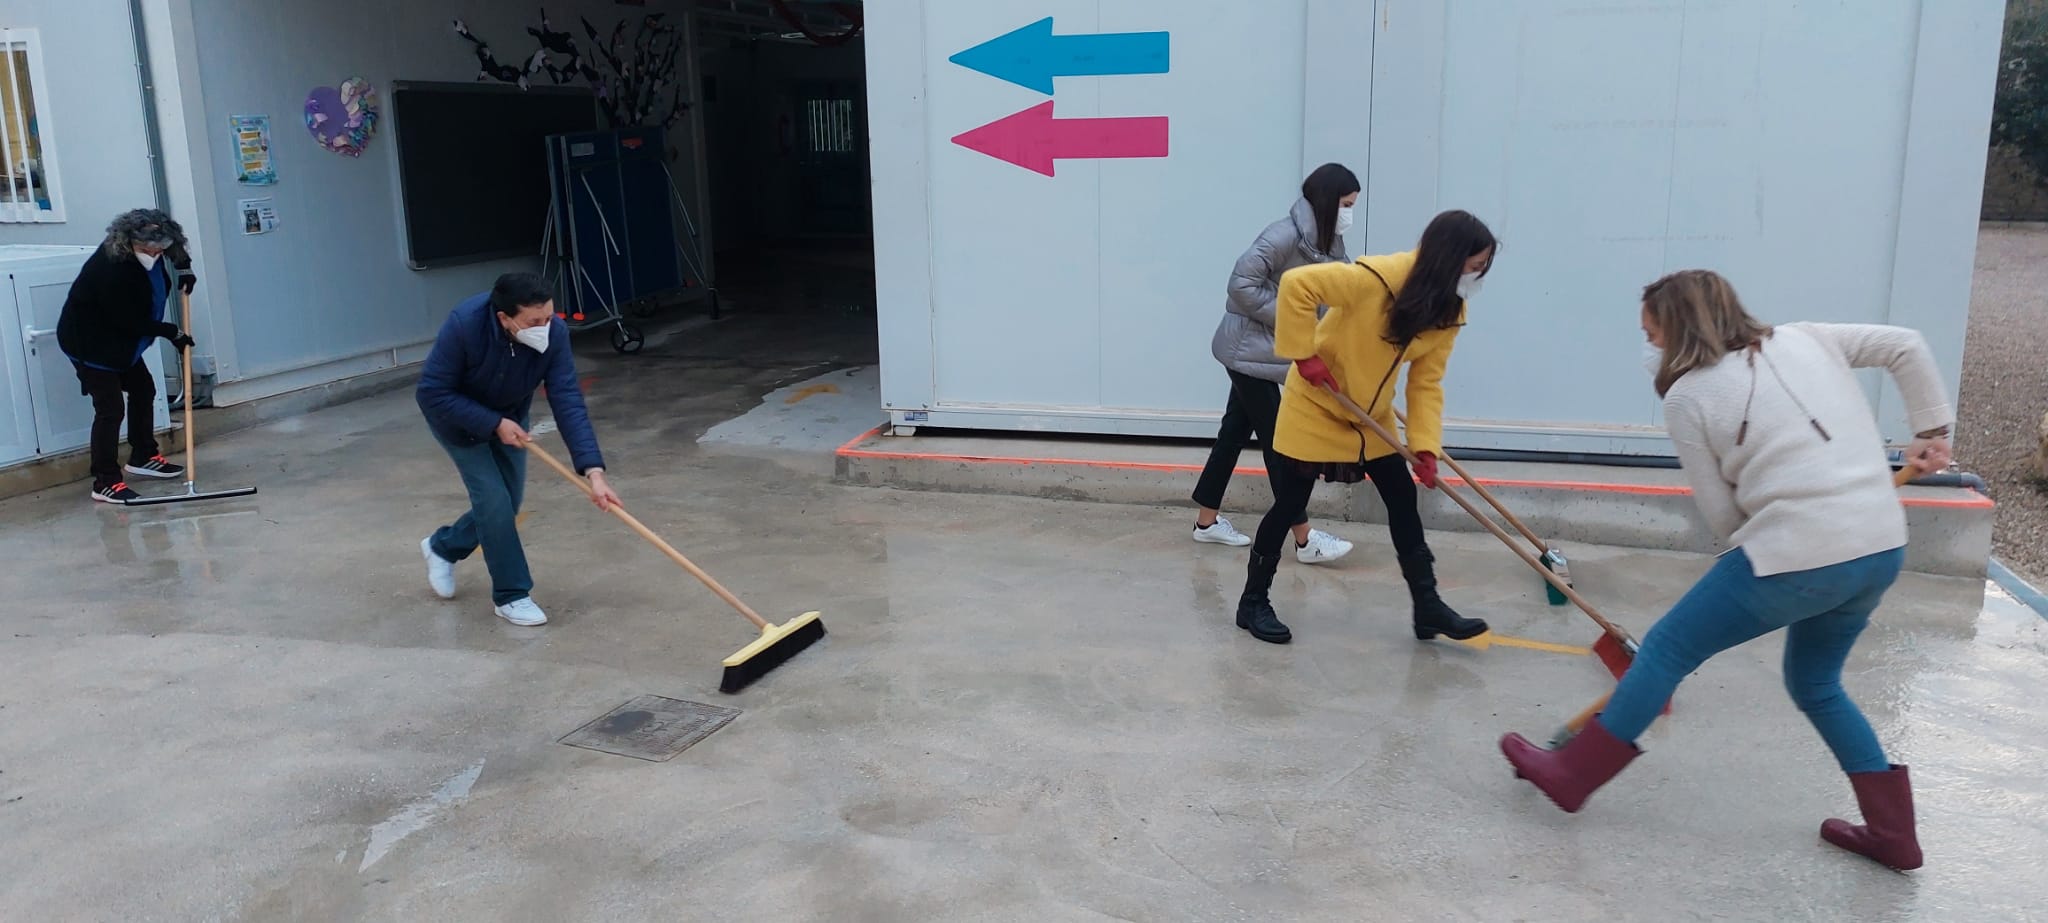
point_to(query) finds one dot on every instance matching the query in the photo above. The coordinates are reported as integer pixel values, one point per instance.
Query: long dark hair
(1324, 189)
(1429, 299)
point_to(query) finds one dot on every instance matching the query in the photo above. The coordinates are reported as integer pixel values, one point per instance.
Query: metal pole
(693, 62)
(146, 78)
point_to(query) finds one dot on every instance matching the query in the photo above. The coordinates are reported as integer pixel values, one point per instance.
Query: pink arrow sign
(1033, 139)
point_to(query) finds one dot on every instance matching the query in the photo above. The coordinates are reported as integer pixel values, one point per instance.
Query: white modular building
(1061, 189)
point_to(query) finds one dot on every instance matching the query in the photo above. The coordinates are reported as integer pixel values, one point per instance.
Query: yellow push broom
(777, 643)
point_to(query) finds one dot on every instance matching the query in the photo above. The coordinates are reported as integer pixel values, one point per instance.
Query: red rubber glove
(1315, 372)
(1425, 469)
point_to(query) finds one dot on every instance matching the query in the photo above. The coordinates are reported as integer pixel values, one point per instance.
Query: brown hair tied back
(1702, 320)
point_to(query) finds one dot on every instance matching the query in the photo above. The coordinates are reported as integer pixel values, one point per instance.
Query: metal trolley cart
(611, 241)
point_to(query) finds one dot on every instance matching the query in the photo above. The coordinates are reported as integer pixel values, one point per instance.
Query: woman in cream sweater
(1786, 463)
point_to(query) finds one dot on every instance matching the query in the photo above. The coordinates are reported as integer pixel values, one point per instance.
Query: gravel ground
(2005, 389)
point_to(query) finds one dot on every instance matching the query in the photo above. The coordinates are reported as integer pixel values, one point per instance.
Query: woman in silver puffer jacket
(1313, 232)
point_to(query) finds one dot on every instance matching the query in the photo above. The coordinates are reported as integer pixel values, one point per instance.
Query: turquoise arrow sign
(1032, 56)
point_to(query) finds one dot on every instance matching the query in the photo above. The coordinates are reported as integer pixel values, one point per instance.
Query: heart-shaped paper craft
(342, 120)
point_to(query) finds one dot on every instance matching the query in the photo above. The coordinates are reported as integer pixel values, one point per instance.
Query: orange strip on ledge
(849, 450)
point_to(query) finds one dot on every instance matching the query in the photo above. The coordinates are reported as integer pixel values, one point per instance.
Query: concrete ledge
(76, 465)
(220, 421)
(1565, 504)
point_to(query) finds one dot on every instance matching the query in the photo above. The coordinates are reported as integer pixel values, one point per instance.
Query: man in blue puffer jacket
(477, 394)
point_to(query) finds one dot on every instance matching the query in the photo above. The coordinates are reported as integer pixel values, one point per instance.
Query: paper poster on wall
(253, 165)
(343, 118)
(259, 216)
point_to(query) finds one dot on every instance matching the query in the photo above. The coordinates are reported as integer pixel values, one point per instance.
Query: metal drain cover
(651, 727)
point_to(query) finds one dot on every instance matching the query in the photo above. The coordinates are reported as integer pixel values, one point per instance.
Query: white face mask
(1343, 218)
(147, 260)
(1653, 359)
(1468, 284)
(534, 338)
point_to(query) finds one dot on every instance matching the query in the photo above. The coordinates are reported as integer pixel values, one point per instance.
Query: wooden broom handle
(655, 540)
(1554, 580)
(185, 363)
(1484, 494)
(1899, 479)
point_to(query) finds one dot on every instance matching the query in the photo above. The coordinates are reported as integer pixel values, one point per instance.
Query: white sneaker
(1322, 548)
(1221, 532)
(440, 571)
(522, 611)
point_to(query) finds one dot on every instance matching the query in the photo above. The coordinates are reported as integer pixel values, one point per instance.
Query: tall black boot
(1255, 608)
(1432, 615)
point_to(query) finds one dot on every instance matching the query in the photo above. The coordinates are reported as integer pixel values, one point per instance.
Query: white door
(63, 415)
(17, 415)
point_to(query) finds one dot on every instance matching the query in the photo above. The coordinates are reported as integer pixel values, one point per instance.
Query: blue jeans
(1822, 610)
(495, 476)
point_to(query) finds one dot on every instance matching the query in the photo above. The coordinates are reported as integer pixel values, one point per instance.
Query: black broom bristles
(739, 675)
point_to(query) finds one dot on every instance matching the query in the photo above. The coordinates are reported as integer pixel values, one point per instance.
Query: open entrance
(784, 89)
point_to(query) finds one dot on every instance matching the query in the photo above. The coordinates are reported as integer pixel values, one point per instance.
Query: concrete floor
(1026, 709)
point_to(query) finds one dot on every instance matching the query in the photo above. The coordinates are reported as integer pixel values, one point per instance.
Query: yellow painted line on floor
(1493, 638)
(813, 389)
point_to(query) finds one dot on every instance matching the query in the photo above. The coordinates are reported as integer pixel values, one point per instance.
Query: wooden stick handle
(1487, 495)
(185, 394)
(654, 539)
(1578, 722)
(1534, 563)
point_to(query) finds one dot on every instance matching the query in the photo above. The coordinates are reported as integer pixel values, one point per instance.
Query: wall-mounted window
(28, 169)
(829, 124)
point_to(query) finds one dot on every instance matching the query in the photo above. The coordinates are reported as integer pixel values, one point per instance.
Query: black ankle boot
(1255, 609)
(1432, 615)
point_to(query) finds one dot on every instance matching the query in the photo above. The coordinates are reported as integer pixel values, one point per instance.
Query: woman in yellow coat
(1382, 312)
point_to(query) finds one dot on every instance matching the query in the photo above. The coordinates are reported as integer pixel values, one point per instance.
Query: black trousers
(1292, 484)
(106, 390)
(1253, 408)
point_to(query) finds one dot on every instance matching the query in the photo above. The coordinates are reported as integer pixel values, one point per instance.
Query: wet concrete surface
(1025, 709)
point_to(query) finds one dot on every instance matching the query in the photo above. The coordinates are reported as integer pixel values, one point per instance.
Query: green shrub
(2019, 115)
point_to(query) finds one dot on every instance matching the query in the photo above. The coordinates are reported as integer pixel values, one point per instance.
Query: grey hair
(142, 226)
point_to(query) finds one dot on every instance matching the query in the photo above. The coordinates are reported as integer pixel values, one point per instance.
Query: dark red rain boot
(1570, 773)
(1886, 834)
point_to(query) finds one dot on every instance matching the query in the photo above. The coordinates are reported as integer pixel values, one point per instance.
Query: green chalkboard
(473, 165)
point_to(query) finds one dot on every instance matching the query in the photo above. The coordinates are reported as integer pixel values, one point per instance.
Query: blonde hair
(1702, 320)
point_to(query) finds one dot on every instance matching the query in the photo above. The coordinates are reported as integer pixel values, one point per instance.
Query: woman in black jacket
(112, 316)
